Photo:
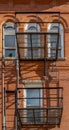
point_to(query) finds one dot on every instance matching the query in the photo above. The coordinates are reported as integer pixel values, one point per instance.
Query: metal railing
(49, 112)
(38, 45)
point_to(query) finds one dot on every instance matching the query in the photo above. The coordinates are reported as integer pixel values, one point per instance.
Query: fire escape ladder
(54, 95)
(19, 81)
(53, 75)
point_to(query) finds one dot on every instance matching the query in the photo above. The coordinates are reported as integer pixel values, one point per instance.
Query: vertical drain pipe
(17, 77)
(17, 83)
(3, 89)
(3, 99)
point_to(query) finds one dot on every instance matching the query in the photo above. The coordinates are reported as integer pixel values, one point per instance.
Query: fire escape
(50, 112)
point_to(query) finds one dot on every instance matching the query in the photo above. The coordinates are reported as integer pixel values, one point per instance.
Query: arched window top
(9, 28)
(9, 40)
(32, 27)
(9, 25)
(55, 27)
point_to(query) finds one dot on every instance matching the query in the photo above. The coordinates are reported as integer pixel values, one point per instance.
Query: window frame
(61, 34)
(37, 28)
(32, 85)
(9, 30)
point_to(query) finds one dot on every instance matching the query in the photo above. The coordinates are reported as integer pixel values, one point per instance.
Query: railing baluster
(31, 46)
(34, 115)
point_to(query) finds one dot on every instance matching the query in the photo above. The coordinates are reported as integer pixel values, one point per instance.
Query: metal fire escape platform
(41, 40)
(40, 45)
(48, 114)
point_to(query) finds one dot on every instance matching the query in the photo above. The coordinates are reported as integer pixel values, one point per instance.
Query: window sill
(61, 58)
(14, 58)
(10, 58)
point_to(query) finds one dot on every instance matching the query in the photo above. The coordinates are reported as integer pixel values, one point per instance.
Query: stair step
(54, 76)
(53, 70)
(52, 65)
(55, 83)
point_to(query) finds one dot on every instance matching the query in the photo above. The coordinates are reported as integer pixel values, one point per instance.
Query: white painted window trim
(32, 85)
(62, 37)
(27, 26)
(8, 32)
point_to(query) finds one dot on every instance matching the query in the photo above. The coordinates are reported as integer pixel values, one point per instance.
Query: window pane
(36, 53)
(59, 53)
(28, 54)
(54, 28)
(10, 40)
(9, 53)
(33, 102)
(33, 28)
(33, 94)
(28, 41)
(34, 115)
(9, 25)
(60, 44)
(53, 53)
(35, 40)
(53, 40)
(35, 43)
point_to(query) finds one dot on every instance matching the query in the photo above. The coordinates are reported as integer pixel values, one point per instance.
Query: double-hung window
(32, 41)
(54, 39)
(33, 103)
(9, 40)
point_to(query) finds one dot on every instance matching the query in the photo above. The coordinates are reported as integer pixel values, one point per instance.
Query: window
(32, 41)
(9, 40)
(33, 102)
(52, 40)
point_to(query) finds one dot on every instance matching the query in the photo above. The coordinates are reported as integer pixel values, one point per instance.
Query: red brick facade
(34, 70)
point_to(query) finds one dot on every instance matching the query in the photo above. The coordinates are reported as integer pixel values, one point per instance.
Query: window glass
(9, 53)
(32, 41)
(9, 42)
(53, 40)
(33, 97)
(33, 101)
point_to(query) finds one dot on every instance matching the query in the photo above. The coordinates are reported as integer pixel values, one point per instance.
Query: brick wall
(35, 70)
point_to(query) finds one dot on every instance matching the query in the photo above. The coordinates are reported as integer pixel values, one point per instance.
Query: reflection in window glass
(9, 44)
(33, 101)
(9, 40)
(53, 40)
(32, 42)
(9, 53)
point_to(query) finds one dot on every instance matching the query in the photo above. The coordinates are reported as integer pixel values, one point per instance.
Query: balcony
(38, 39)
(42, 110)
(37, 45)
